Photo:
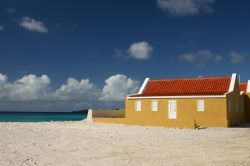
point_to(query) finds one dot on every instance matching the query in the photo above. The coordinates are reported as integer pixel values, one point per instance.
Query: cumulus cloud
(1, 27)
(29, 87)
(186, 7)
(33, 25)
(34, 88)
(77, 90)
(34, 93)
(200, 58)
(3, 78)
(140, 50)
(3, 85)
(236, 58)
(118, 86)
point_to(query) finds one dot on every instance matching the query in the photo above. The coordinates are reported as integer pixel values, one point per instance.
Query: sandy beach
(82, 143)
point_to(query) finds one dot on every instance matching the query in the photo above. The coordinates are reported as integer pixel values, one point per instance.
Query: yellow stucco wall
(215, 113)
(235, 111)
(247, 107)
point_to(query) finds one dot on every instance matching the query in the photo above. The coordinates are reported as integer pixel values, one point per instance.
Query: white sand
(81, 143)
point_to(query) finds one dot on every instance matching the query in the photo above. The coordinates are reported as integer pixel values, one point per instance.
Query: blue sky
(79, 54)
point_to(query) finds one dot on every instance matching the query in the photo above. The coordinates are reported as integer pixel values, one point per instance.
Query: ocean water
(40, 116)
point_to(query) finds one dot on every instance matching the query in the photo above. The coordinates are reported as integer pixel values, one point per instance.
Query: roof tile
(187, 87)
(243, 87)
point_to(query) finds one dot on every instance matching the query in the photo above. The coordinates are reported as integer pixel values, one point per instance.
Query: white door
(172, 109)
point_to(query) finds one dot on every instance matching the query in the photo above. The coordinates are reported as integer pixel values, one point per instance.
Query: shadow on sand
(244, 125)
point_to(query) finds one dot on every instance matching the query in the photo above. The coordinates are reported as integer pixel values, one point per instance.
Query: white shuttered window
(154, 105)
(200, 105)
(138, 105)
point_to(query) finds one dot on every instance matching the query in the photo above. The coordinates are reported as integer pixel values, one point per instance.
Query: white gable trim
(232, 83)
(143, 85)
(248, 86)
(175, 97)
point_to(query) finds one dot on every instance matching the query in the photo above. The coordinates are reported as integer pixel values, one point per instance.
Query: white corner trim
(175, 97)
(143, 85)
(248, 86)
(232, 83)
(90, 115)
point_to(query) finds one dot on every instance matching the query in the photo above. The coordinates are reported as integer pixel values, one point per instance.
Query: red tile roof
(243, 87)
(187, 87)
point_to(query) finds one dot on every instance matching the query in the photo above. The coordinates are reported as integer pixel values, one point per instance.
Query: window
(200, 105)
(138, 105)
(154, 105)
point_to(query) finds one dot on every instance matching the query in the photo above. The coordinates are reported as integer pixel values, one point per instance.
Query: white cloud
(77, 90)
(33, 25)
(37, 89)
(34, 93)
(140, 50)
(1, 27)
(200, 58)
(3, 78)
(187, 57)
(118, 86)
(3, 85)
(236, 58)
(186, 7)
(29, 87)
(218, 58)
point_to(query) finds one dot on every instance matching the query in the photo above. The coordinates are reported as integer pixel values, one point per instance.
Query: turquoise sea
(41, 116)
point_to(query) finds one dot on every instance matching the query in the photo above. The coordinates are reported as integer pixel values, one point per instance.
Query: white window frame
(138, 105)
(154, 109)
(170, 115)
(200, 105)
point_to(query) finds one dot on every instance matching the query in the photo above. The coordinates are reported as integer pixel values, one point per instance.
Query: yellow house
(185, 103)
